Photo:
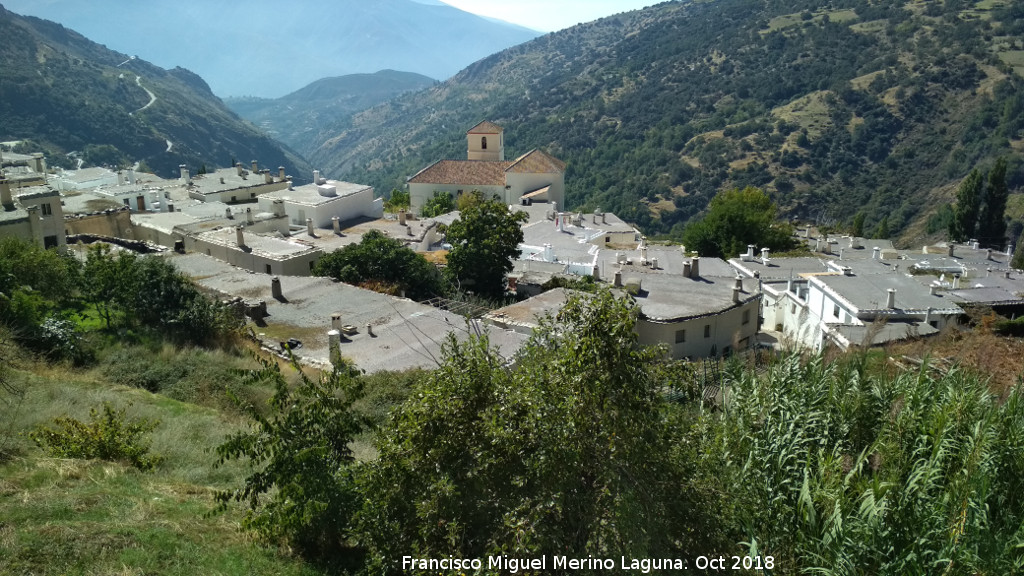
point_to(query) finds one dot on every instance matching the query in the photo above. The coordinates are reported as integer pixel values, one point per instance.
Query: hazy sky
(549, 15)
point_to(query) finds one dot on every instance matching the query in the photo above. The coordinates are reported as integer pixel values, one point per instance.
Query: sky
(549, 15)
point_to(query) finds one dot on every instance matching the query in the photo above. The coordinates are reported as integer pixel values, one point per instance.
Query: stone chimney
(595, 273)
(268, 178)
(240, 236)
(401, 217)
(336, 223)
(5, 194)
(695, 267)
(275, 288)
(617, 282)
(238, 168)
(764, 255)
(687, 269)
(255, 167)
(309, 227)
(280, 172)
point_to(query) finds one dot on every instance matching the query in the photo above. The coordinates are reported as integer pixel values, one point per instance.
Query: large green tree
(735, 219)
(572, 450)
(440, 203)
(965, 213)
(992, 222)
(485, 239)
(385, 264)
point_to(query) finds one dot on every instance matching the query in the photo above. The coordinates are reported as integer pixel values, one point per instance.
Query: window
(835, 311)
(47, 209)
(680, 336)
(792, 308)
(607, 239)
(234, 198)
(746, 316)
(934, 324)
(707, 330)
(252, 195)
(269, 271)
(483, 143)
(128, 202)
(49, 242)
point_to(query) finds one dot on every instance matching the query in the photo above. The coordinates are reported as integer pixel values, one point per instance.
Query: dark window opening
(483, 143)
(707, 330)
(50, 241)
(269, 271)
(680, 336)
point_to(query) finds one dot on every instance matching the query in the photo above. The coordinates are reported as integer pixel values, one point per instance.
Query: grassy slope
(89, 517)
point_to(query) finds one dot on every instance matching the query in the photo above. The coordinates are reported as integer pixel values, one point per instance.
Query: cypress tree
(965, 213)
(992, 225)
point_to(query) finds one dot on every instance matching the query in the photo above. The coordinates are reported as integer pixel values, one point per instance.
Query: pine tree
(965, 214)
(992, 225)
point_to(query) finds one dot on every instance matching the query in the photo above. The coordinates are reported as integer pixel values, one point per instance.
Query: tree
(385, 264)
(485, 239)
(735, 219)
(882, 230)
(397, 201)
(992, 223)
(441, 203)
(965, 213)
(571, 450)
(858, 224)
(302, 492)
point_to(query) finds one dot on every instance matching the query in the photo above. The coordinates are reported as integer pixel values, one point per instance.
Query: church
(536, 176)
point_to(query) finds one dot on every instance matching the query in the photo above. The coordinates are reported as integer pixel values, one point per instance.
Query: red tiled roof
(465, 172)
(486, 127)
(536, 162)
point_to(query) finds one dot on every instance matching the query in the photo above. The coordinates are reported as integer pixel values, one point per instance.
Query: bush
(107, 436)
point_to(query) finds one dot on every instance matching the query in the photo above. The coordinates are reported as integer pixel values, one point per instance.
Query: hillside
(68, 93)
(877, 107)
(297, 118)
(266, 49)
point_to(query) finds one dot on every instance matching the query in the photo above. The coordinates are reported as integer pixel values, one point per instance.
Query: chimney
(227, 212)
(840, 254)
(561, 221)
(1007, 274)
(988, 254)
(221, 179)
(238, 168)
(595, 273)
(826, 246)
(738, 284)
(974, 243)
(949, 251)
(401, 217)
(316, 177)
(369, 329)
(268, 178)
(131, 176)
(255, 167)
(851, 245)
(928, 315)
(120, 178)
(617, 282)
(334, 346)
(183, 170)
(240, 236)
(736, 295)
(988, 272)
(604, 218)
(170, 206)
(687, 270)
(336, 223)
(764, 255)
(309, 227)
(278, 207)
(890, 298)
(749, 256)
(933, 290)
(249, 221)
(695, 267)
(275, 288)
(5, 193)
(956, 281)
(654, 263)
(549, 254)
(336, 321)
(280, 172)
(876, 253)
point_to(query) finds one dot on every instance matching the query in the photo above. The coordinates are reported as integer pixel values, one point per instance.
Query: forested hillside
(69, 94)
(874, 107)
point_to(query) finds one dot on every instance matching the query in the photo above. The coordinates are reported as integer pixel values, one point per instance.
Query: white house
(324, 200)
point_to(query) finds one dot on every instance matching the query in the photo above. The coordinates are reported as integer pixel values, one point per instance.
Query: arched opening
(483, 142)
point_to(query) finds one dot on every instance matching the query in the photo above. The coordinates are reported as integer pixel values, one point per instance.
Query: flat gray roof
(869, 292)
(310, 193)
(882, 333)
(406, 334)
(258, 244)
(666, 298)
(781, 268)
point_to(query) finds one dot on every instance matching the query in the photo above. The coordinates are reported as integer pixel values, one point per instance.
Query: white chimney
(617, 283)
(268, 178)
(255, 167)
(248, 217)
(131, 176)
(764, 255)
(549, 253)
(280, 172)
(316, 177)
(238, 168)
(401, 217)
(336, 321)
(336, 223)
(369, 329)
(278, 207)
(876, 253)
(928, 315)
(227, 212)
(988, 272)
(890, 298)
(654, 263)
(309, 226)
(561, 222)
(240, 236)
(120, 178)
(5, 193)
(933, 290)
(749, 256)
(695, 267)
(956, 281)
(183, 170)
(738, 283)
(736, 295)
(334, 346)
(974, 243)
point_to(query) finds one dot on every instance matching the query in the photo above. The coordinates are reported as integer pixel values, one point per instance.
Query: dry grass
(1015, 59)
(810, 112)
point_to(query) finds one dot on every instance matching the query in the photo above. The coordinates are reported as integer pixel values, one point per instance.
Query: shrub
(107, 436)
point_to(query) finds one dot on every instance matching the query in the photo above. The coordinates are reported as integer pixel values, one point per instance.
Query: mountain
(67, 93)
(878, 107)
(297, 118)
(267, 48)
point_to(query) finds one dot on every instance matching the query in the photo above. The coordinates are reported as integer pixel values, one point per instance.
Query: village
(250, 236)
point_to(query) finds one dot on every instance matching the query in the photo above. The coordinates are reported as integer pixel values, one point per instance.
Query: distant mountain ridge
(68, 93)
(297, 118)
(877, 107)
(266, 49)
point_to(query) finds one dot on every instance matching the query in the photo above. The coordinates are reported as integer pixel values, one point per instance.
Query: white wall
(727, 332)
(521, 184)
